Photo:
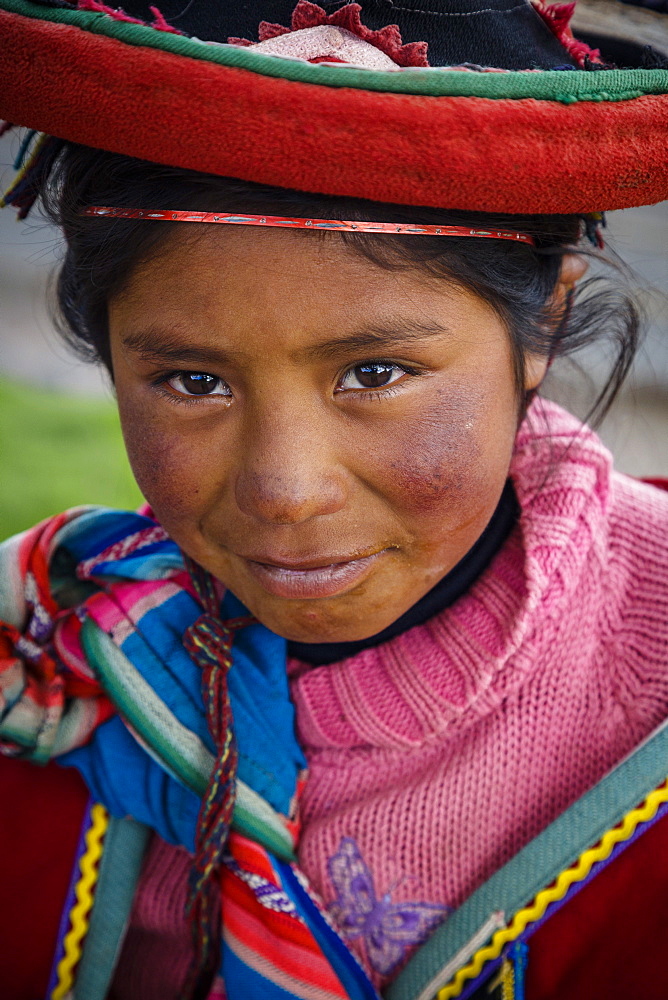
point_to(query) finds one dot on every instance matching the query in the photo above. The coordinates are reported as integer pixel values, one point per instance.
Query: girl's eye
(198, 384)
(371, 375)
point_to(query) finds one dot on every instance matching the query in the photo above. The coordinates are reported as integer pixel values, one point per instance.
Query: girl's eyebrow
(378, 335)
(157, 344)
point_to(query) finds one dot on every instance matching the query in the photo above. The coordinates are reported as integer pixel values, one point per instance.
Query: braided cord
(209, 642)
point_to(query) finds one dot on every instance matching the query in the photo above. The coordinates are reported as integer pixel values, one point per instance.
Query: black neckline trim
(448, 590)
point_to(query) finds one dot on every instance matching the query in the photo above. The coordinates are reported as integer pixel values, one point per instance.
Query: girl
(381, 662)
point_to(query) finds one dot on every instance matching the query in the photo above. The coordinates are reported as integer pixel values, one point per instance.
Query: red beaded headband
(331, 224)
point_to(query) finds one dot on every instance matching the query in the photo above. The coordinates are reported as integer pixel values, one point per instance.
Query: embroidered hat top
(482, 105)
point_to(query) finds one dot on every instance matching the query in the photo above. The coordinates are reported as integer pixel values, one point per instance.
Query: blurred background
(60, 438)
(59, 434)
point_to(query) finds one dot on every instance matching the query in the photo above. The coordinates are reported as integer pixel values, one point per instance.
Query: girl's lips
(320, 581)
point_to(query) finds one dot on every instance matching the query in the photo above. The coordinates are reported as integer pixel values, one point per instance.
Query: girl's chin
(348, 618)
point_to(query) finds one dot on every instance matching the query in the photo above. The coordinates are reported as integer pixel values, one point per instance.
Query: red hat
(485, 105)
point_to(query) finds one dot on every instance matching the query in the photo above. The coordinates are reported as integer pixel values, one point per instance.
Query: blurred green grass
(58, 451)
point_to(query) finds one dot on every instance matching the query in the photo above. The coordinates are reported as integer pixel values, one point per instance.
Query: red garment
(42, 813)
(609, 941)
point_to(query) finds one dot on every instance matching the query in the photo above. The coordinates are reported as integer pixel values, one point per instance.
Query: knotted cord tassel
(209, 642)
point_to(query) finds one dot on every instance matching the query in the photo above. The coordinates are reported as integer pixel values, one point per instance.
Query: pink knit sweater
(438, 755)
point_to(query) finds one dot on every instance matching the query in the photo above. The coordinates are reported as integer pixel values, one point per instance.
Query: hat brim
(518, 142)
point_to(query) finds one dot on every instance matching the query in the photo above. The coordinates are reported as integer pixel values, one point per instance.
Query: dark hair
(517, 280)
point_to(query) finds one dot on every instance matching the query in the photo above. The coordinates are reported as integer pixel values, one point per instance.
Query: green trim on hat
(565, 87)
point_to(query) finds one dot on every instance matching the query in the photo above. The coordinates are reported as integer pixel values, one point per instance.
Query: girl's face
(325, 437)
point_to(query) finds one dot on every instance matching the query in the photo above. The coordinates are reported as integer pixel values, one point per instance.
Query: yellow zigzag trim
(80, 913)
(575, 873)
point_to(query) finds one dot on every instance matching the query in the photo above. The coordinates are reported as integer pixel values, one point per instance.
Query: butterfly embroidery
(388, 928)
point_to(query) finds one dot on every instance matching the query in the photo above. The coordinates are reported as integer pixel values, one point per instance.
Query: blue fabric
(345, 965)
(152, 796)
(264, 717)
(100, 528)
(156, 650)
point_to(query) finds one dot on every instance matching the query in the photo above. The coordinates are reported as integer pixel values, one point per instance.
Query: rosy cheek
(427, 477)
(166, 468)
(436, 468)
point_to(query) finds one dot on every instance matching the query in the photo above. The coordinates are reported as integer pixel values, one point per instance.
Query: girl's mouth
(326, 580)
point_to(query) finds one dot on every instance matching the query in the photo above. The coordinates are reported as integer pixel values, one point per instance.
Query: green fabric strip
(549, 85)
(120, 866)
(179, 751)
(581, 826)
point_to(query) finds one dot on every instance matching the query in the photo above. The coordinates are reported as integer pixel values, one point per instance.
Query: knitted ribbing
(442, 752)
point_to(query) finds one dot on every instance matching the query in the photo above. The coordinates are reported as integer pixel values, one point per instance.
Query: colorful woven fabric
(96, 606)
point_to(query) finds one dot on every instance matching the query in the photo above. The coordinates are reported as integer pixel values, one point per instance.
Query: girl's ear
(573, 267)
(535, 370)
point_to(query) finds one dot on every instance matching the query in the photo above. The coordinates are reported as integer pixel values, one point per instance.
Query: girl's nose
(289, 473)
